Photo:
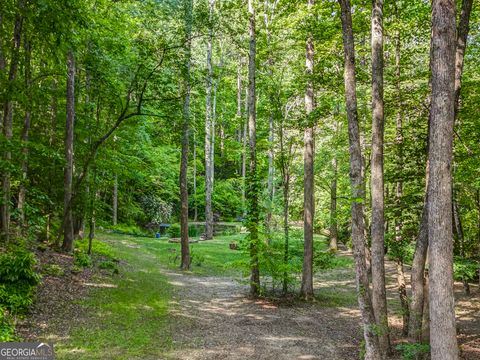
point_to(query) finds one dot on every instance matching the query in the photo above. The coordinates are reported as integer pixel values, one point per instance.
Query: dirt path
(214, 319)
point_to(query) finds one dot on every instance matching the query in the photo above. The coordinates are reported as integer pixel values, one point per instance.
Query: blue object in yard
(157, 235)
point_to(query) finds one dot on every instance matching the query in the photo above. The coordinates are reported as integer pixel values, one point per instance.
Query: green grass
(128, 313)
(211, 257)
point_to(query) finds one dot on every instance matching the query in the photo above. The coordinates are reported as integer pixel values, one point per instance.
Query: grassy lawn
(127, 313)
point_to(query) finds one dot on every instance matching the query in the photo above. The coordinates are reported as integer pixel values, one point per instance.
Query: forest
(240, 179)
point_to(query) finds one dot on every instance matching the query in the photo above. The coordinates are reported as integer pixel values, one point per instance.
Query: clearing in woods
(152, 311)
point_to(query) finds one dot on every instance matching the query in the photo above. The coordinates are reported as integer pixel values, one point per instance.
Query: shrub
(464, 269)
(196, 259)
(17, 280)
(413, 351)
(81, 259)
(174, 231)
(7, 327)
(99, 248)
(109, 265)
(53, 270)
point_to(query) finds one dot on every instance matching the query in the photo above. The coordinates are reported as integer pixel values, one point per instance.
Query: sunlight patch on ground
(101, 285)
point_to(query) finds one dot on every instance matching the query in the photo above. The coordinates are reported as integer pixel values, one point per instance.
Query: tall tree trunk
(253, 186)
(270, 178)
(461, 46)
(22, 193)
(208, 132)
(52, 142)
(333, 207)
(212, 148)
(2, 51)
(115, 200)
(244, 155)
(372, 346)
(8, 119)
(68, 233)
(458, 230)
(418, 277)
(92, 212)
(401, 282)
(284, 159)
(418, 265)
(379, 297)
(195, 207)
(308, 176)
(443, 339)
(185, 246)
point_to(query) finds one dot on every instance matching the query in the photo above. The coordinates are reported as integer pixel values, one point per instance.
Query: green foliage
(7, 326)
(99, 248)
(129, 230)
(464, 269)
(53, 270)
(81, 259)
(18, 279)
(109, 265)
(174, 231)
(156, 210)
(416, 351)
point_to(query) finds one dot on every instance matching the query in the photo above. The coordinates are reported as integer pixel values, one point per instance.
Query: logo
(26, 351)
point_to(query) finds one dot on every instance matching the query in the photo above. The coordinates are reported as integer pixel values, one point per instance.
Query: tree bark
(443, 339)
(458, 230)
(8, 119)
(379, 297)
(185, 246)
(308, 177)
(68, 233)
(253, 186)
(195, 207)
(285, 162)
(372, 347)
(333, 207)
(22, 193)
(461, 46)
(208, 132)
(115, 200)
(401, 282)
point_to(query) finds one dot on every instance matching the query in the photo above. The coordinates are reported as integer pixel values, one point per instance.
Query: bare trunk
(333, 207)
(115, 200)
(401, 283)
(68, 233)
(372, 347)
(8, 120)
(286, 188)
(443, 339)
(195, 209)
(418, 278)
(379, 298)
(461, 45)
(209, 130)
(270, 187)
(308, 177)
(185, 246)
(93, 197)
(253, 186)
(458, 229)
(22, 193)
(244, 155)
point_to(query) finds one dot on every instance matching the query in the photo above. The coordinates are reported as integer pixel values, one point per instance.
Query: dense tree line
(355, 120)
